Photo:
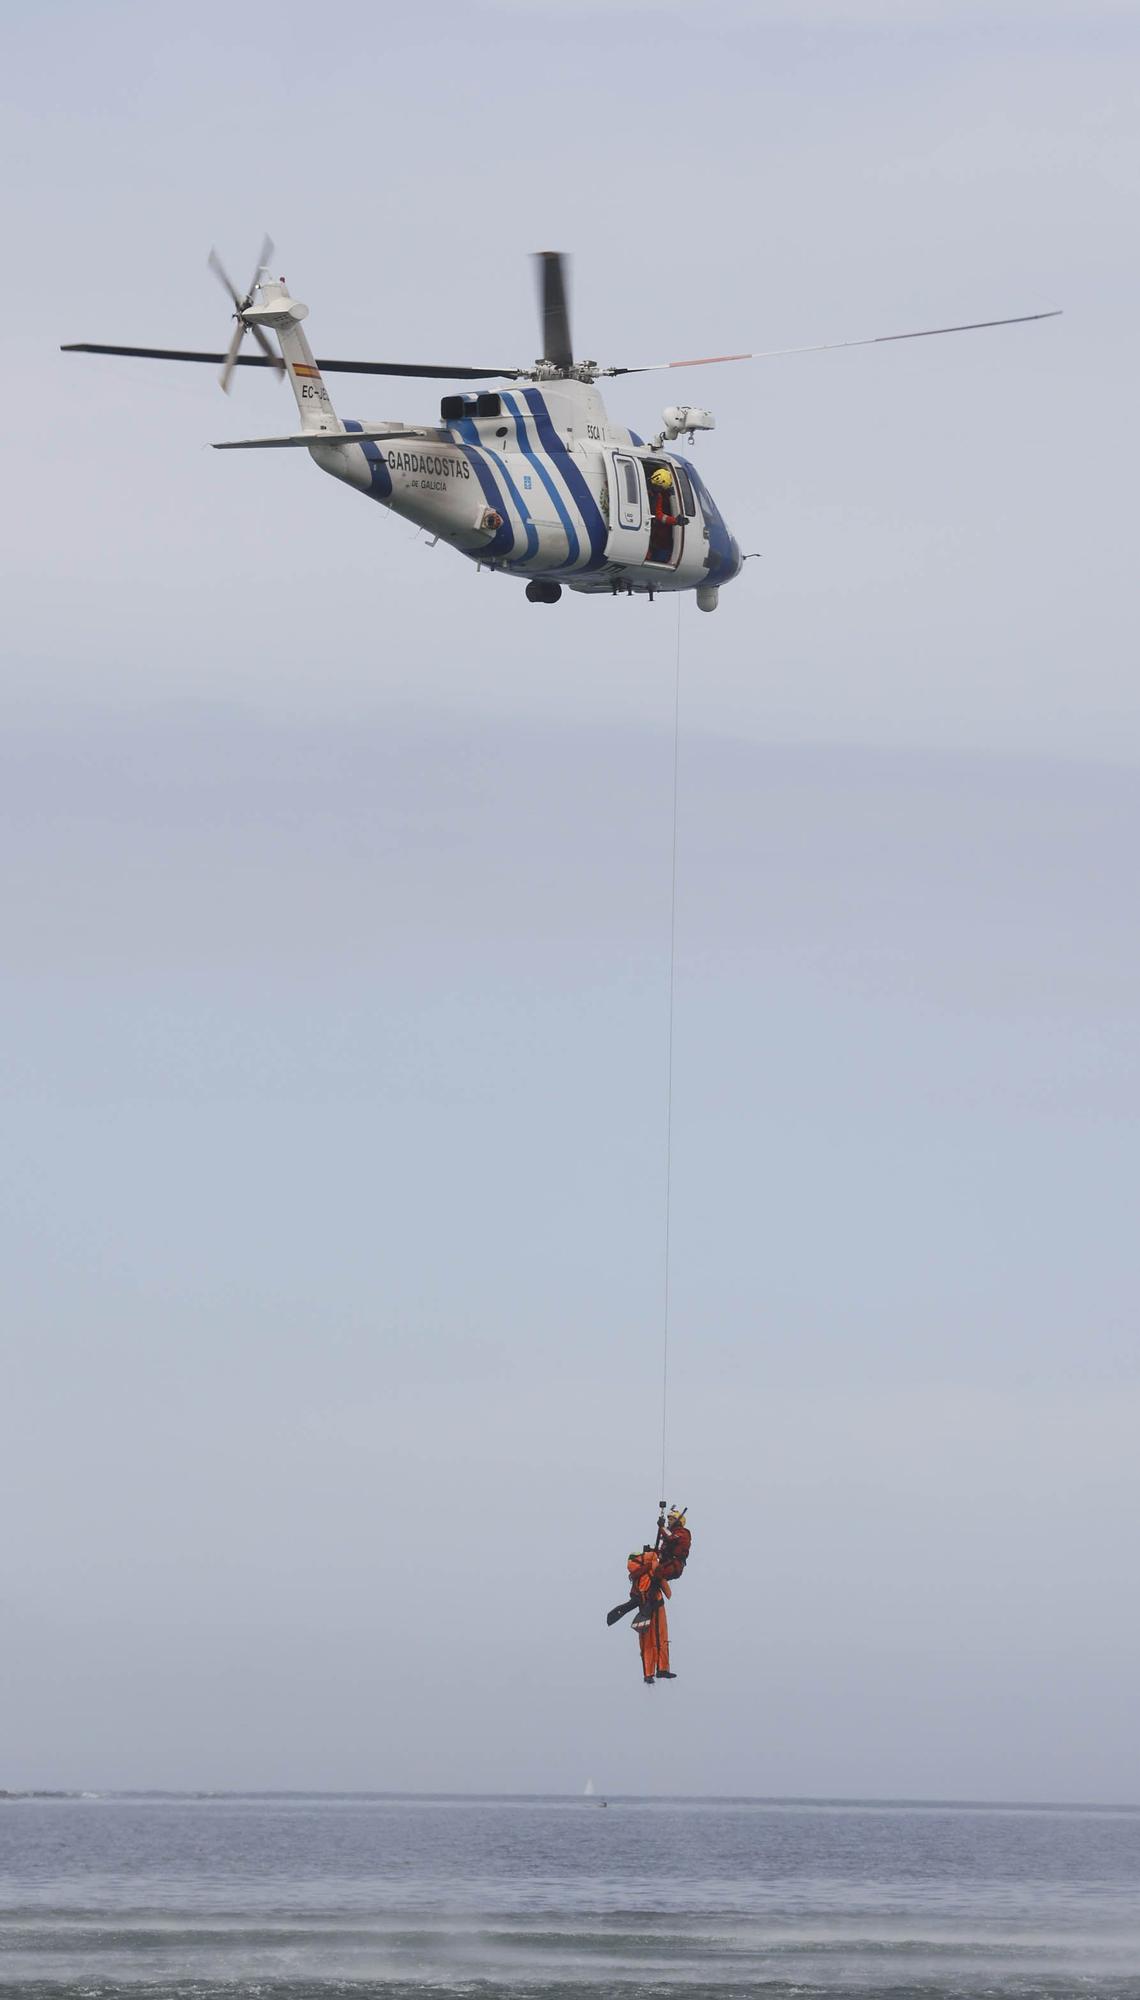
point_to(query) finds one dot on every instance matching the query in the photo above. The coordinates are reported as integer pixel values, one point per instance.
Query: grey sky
(336, 893)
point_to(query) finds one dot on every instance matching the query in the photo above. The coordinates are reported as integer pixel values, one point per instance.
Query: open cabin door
(628, 540)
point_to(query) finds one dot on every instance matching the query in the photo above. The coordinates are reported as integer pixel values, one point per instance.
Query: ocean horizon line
(809, 1800)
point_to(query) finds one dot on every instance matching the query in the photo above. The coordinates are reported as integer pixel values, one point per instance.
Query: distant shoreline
(43, 1795)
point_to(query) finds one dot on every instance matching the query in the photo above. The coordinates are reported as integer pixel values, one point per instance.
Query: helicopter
(533, 481)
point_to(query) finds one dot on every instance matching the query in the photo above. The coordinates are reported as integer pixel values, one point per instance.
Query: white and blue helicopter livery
(533, 481)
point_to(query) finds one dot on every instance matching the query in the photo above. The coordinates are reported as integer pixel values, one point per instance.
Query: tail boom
(283, 315)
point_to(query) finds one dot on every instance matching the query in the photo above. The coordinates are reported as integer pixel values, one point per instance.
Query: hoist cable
(669, 1059)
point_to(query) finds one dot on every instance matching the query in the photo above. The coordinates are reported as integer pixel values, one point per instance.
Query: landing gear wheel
(543, 593)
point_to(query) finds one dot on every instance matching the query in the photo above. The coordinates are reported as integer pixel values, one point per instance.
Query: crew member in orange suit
(673, 1544)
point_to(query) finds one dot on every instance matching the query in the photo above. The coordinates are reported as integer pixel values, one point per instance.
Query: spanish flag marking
(302, 368)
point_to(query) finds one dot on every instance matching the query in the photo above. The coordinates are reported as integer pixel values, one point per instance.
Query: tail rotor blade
(232, 353)
(240, 304)
(556, 344)
(267, 348)
(220, 272)
(263, 256)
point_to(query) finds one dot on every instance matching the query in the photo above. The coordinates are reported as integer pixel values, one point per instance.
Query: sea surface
(308, 1898)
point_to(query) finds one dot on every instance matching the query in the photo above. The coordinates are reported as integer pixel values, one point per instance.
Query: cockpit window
(685, 485)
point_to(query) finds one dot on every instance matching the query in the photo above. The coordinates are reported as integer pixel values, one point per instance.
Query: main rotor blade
(428, 371)
(831, 346)
(556, 344)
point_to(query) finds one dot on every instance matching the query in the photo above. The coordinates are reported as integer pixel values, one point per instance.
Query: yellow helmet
(677, 1514)
(662, 477)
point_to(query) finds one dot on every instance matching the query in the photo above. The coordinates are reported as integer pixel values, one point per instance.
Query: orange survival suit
(650, 1622)
(673, 1545)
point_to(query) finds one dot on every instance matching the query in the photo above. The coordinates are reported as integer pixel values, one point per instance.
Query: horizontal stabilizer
(362, 435)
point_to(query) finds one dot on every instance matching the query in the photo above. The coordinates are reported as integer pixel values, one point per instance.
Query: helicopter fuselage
(536, 482)
(532, 480)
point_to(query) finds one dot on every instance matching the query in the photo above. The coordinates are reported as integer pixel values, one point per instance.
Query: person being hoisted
(649, 1589)
(652, 1572)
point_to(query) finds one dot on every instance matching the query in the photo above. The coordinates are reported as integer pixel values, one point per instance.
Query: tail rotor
(241, 307)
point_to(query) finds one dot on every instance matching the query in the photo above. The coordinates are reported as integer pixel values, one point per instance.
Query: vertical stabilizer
(275, 308)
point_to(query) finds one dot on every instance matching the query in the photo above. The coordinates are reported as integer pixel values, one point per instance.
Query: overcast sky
(336, 893)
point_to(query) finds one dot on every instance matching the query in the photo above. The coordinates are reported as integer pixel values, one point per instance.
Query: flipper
(622, 1610)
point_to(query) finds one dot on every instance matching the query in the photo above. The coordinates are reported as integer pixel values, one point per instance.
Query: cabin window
(628, 492)
(686, 487)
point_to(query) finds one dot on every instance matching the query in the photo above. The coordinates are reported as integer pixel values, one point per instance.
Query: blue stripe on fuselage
(528, 525)
(564, 459)
(516, 496)
(559, 504)
(504, 538)
(378, 471)
(468, 432)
